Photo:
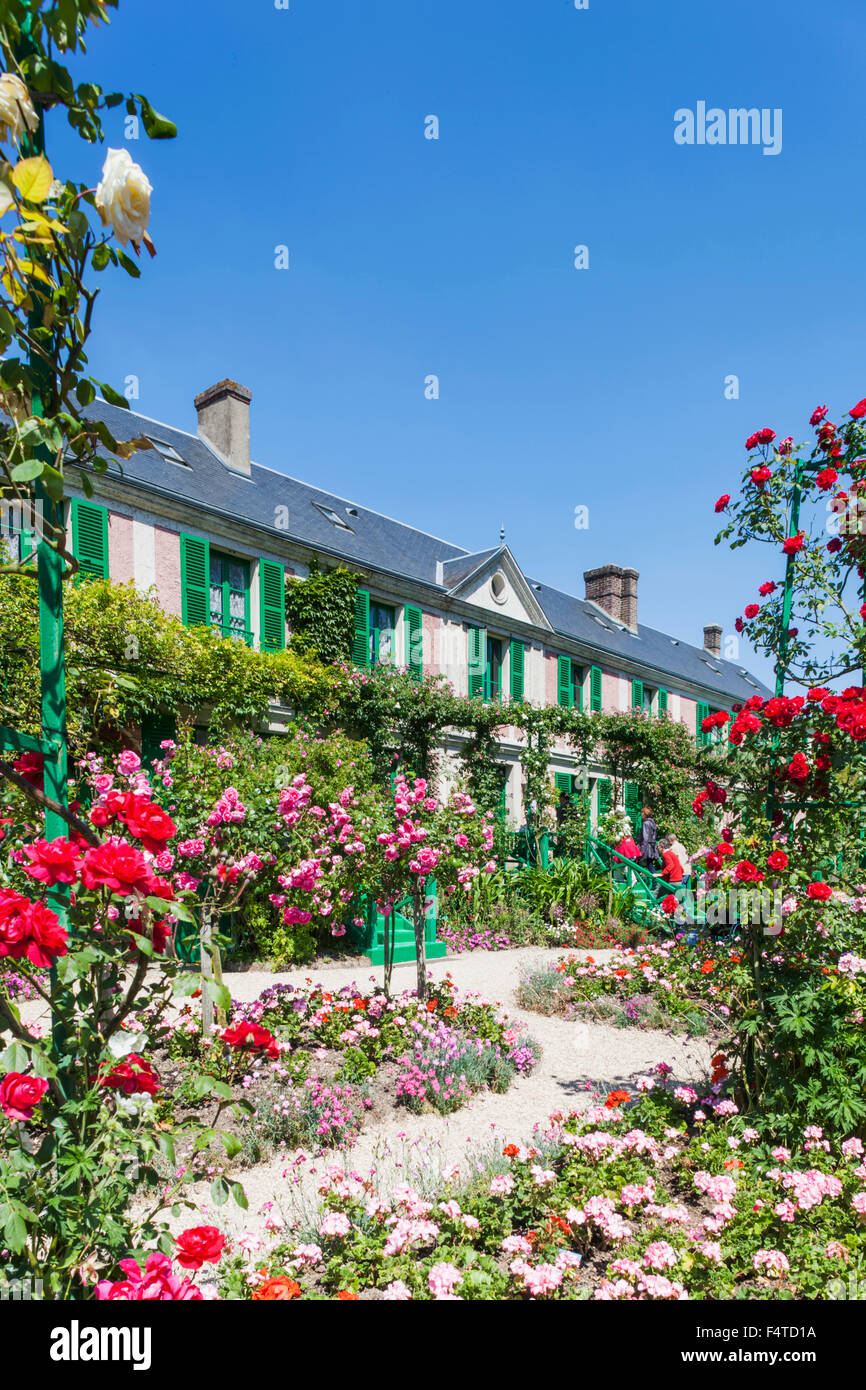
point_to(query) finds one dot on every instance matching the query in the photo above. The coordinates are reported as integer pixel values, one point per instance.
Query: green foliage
(127, 659)
(321, 612)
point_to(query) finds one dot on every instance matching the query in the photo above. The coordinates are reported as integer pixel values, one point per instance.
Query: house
(215, 534)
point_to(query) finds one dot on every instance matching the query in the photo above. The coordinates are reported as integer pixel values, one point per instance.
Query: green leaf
(52, 481)
(232, 1144)
(219, 994)
(129, 265)
(15, 1058)
(84, 391)
(101, 256)
(15, 1233)
(240, 1196)
(219, 1192)
(26, 471)
(157, 126)
(113, 397)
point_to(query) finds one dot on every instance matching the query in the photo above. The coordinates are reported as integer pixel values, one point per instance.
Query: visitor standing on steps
(648, 835)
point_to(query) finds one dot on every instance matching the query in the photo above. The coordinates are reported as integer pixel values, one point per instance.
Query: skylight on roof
(607, 627)
(330, 515)
(168, 451)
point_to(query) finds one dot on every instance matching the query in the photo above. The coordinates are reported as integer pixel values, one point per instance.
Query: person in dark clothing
(648, 839)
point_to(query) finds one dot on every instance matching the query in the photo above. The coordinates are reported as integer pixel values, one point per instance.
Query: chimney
(224, 422)
(615, 591)
(713, 639)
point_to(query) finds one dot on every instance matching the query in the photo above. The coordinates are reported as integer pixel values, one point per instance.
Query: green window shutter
(155, 728)
(272, 606)
(632, 799)
(595, 688)
(577, 686)
(604, 796)
(90, 539)
(702, 737)
(361, 637)
(518, 652)
(195, 581)
(477, 661)
(565, 693)
(637, 694)
(663, 701)
(414, 642)
(562, 781)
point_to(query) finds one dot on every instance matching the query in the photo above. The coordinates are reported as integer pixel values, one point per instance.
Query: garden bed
(303, 1065)
(671, 986)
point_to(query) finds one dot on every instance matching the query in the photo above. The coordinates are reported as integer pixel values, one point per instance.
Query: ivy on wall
(127, 661)
(321, 612)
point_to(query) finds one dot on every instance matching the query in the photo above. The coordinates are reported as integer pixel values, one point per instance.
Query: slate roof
(379, 542)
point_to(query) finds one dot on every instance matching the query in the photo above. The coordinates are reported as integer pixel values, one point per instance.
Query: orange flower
(615, 1099)
(359, 1004)
(511, 1151)
(280, 1289)
(707, 967)
(346, 1295)
(734, 1163)
(451, 1012)
(431, 1005)
(622, 974)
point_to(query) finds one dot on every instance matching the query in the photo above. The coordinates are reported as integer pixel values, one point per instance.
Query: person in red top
(672, 869)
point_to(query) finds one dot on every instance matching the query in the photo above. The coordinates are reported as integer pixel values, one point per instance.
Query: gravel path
(577, 1058)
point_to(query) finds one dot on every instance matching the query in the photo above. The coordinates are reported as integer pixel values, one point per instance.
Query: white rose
(123, 197)
(16, 110)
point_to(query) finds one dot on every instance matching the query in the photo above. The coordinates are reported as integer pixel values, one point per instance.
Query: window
(705, 738)
(570, 678)
(493, 674)
(330, 515)
(381, 634)
(167, 451)
(90, 539)
(230, 596)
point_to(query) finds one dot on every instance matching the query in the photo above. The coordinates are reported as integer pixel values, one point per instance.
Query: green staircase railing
(370, 938)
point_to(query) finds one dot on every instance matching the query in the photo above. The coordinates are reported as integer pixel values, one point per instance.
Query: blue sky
(410, 257)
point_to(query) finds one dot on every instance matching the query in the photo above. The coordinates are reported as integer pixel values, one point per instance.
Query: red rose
(786, 445)
(761, 476)
(751, 610)
(820, 892)
(53, 861)
(723, 501)
(794, 543)
(747, 872)
(30, 766)
(713, 862)
(725, 849)
(133, 1076)
(154, 827)
(766, 436)
(859, 410)
(117, 866)
(767, 588)
(826, 478)
(818, 415)
(669, 904)
(738, 624)
(834, 545)
(250, 1035)
(29, 930)
(198, 1244)
(99, 816)
(20, 1095)
(817, 692)
(798, 768)
(777, 861)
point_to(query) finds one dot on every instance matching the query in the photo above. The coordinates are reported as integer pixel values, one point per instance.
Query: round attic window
(498, 588)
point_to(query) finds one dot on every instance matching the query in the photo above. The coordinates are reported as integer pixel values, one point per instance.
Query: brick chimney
(224, 422)
(615, 591)
(713, 639)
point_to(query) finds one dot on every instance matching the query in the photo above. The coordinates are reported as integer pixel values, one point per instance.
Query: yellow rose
(123, 197)
(16, 110)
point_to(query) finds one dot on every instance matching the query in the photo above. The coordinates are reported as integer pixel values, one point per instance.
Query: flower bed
(662, 1196)
(671, 985)
(307, 1065)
